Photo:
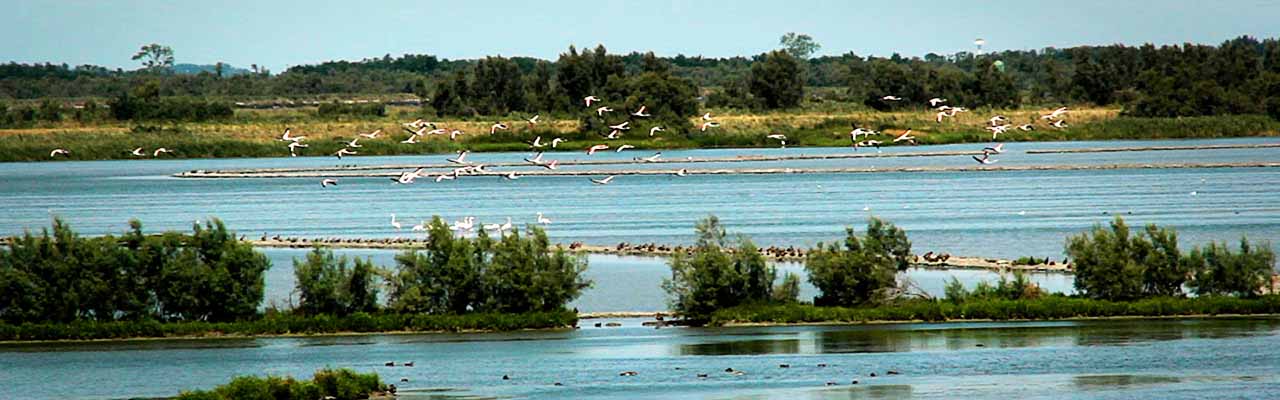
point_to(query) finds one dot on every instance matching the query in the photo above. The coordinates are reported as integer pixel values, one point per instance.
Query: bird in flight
(496, 126)
(654, 130)
(601, 110)
(934, 102)
(593, 149)
(709, 124)
(160, 151)
(344, 152)
(640, 113)
(371, 135)
(590, 99)
(604, 181)
(138, 152)
(331, 182)
(905, 137)
(60, 152)
(461, 159)
(891, 98)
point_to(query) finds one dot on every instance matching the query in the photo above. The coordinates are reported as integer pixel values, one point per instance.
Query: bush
(863, 268)
(1220, 271)
(715, 277)
(1019, 288)
(131, 107)
(341, 384)
(336, 109)
(326, 285)
(1112, 264)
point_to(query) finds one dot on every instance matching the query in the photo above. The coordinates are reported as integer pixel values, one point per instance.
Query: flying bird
(891, 98)
(344, 152)
(985, 159)
(496, 126)
(905, 137)
(934, 102)
(556, 142)
(709, 124)
(590, 99)
(58, 152)
(537, 143)
(1060, 124)
(621, 127)
(997, 149)
(601, 110)
(139, 153)
(411, 140)
(654, 130)
(1027, 127)
(682, 172)
(371, 135)
(331, 182)
(461, 159)
(706, 117)
(604, 181)
(533, 120)
(511, 176)
(593, 149)
(286, 138)
(160, 151)
(1055, 114)
(640, 113)
(624, 147)
(453, 135)
(354, 143)
(652, 158)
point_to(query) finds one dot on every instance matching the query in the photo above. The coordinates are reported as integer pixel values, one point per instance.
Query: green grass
(1047, 308)
(281, 324)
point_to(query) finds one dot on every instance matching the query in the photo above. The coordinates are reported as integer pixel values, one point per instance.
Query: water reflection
(1095, 382)
(741, 347)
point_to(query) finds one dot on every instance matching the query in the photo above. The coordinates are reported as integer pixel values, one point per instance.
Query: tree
(326, 285)
(1221, 271)
(789, 290)
(775, 80)
(155, 57)
(714, 277)
(860, 270)
(800, 46)
(1112, 264)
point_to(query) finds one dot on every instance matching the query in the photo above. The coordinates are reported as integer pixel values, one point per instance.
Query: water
(626, 283)
(1191, 359)
(1001, 214)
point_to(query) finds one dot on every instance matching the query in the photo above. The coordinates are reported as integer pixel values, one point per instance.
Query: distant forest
(1239, 76)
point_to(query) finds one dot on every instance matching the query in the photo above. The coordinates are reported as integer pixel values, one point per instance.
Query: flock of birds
(418, 129)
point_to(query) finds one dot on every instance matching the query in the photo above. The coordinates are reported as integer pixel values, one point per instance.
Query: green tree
(789, 290)
(1113, 264)
(860, 270)
(327, 285)
(155, 57)
(776, 80)
(800, 46)
(715, 277)
(1221, 271)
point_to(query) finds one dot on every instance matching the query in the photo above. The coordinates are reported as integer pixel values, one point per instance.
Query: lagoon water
(1157, 359)
(992, 214)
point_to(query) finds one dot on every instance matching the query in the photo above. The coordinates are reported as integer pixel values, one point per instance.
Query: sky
(278, 34)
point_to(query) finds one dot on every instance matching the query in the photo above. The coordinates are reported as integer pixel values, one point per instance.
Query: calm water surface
(1191, 359)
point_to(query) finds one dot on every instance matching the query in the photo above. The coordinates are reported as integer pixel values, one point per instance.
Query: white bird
(416, 124)
(905, 137)
(138, 152)
(604, 181)
(411, 140)
(506, 226)
(439, 131)
(461, 159)
(621, 127)
(640, 113)
(492, 228)
(444, 177)
(653, 158)
(511, 176)
(997, 130)
(601, 110)
(536, 159)
(344, 152)
(1060, 124)
(682, 172)
(465, 224)
(543, 220)
(934, 102)
(354, 143)
(1054, 114)
(997, 149)
(985, 159)
(286, 138)
(654, 130)
(556, 142)
(590, 99)
(1193, 193)
(537, 142)
(371, 135)
(777, 136)
(533, 120)
(593, 149)
(160, 151)
(453, 135)
(706, 117)
(1027, 127)
(613, 134)
(421, 226)
(996, 120)
(328, 182)
(941, 115)
(709, 124)
(395, 223)
(419, 132)
(496, 126)
(297, 145)
(853, 135)
(624, 147)
(551, 165)
(891, 98)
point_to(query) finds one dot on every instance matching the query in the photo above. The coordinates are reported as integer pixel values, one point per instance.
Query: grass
(282, 324)
(253, 133)
(1046, 308)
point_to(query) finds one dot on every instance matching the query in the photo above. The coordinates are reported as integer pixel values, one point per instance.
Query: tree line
(210, 275)
(1239, 76)
(1109, 264)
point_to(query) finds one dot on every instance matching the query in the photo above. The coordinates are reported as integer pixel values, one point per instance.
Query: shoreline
(776, 254)
(736, 324)
(752, 171)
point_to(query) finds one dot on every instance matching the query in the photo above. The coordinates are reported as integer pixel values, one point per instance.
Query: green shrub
(1114, 265)
(1221, 271)
(342, 384)
(715, 277)
(863, 268)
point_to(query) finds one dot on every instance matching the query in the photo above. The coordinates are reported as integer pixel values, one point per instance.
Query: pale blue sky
(278, 34)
